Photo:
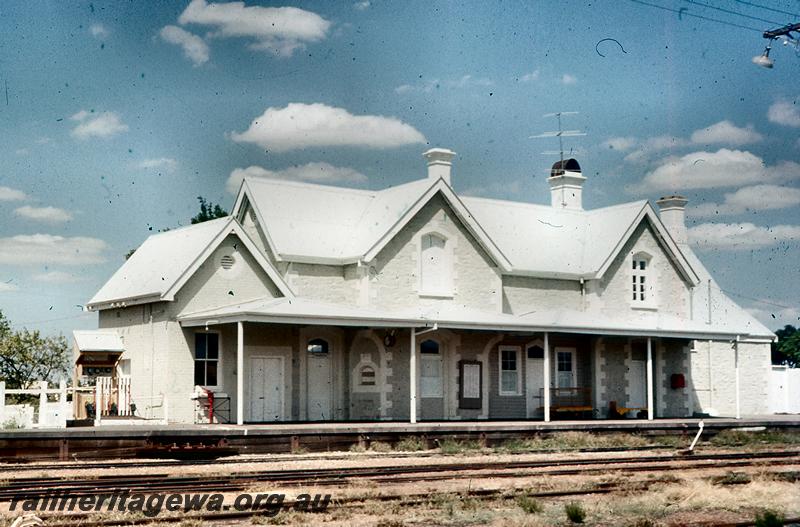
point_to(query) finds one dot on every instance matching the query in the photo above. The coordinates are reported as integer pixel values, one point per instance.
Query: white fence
(784, 390)
(50, 414)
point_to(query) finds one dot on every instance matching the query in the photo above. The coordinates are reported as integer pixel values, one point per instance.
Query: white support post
(98, 402)
(42, 403)
(412, 376)
(649, 379)
(2, 402)
(63, 408)
(736, 371)
(546, 377)
(239, 373)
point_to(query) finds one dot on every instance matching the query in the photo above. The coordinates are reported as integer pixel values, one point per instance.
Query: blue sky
(120, 113)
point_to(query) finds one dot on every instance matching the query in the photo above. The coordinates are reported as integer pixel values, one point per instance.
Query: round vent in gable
(227, 262)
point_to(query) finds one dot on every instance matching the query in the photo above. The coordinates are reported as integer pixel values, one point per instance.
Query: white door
(638, 384)
(320, 386)
(266, 389)
(534, 374)
(565, 368)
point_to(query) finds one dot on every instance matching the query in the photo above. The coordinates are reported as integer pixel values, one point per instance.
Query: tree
(787, 349)
(26, 356)
(208, 211)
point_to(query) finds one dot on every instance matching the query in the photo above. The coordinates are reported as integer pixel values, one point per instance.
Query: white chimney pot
(440, 160)
(566, 185)
(672, 210)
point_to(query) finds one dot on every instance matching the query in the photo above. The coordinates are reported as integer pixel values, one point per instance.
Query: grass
(571, 441)
(575, 512)
(769, 519)
(734, 437)
(453, 446)
(530, 505)
(410, 444)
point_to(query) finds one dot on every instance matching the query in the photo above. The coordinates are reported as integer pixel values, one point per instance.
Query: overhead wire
(774, 10)
(731, 12)
(701, 17)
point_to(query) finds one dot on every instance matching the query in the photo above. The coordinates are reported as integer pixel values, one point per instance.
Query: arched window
(366, 376)
(642, 280)
(435, 265)
(318, 346)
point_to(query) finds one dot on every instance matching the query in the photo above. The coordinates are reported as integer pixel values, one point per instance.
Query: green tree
(26, 356)
(787, 349)
(208, 211)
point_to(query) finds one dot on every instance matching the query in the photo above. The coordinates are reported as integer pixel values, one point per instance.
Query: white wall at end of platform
(784, 390)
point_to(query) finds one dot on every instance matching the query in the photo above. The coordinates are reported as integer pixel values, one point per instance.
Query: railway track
(165, 482)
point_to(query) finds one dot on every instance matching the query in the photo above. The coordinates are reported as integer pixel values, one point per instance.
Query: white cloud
(568, 79)
(22, 151)
(6, 287)
(50, 249)
(741, 236)
(313, 172)
(194, 47)
(619, 143)
(654, 145)
(44, 214)
(720, 169)
(530, 77)
(300, 125)
(167, 163)
(280, 30)
(775, 316)
(362, 6)
(725, 132)
(11, 194)
(99, 31)
(465, 81)
(753, 198)
(785, 113)
(57, 277)
(105, 124)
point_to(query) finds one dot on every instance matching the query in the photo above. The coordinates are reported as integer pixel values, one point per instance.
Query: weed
(452, 446)
(389, 522)
(575, 512)
(410, 444)
(380, 446)
(732, 478)
(530, 505)
(769, 519)
(357, 447)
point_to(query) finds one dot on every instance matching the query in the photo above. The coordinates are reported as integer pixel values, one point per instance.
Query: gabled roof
(323, 224)
(98, 340)
(165, 262)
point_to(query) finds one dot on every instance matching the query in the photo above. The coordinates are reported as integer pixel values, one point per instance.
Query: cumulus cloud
(280, 30)
(362, 6)
(48, 249)
(313, 172)
(530, 77)
(725, 132)
(751, 198)
(57, 277)
(99, 31)
(166, 163)
(44, 214)
(622, 144)
(11, 194)
(784, 112)
(741, 236)
(194, 47)
(7, 286)
(102, 125)
(300, 125)
(568, 79)
(720, 169)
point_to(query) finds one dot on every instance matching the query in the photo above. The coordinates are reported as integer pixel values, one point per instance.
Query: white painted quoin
(318, 303)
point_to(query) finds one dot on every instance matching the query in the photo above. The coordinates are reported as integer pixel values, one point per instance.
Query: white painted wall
(784, 390)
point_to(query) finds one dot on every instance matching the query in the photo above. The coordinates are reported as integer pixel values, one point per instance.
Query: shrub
(769, 519)
(530, 505)
(575, 512)
(452, 446)
(410, 444)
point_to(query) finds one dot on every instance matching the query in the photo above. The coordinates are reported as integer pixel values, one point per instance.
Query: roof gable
(166, 261)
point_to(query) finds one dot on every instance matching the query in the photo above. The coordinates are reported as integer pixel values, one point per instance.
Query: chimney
(566, 185)
(672, 210)
(439, 163)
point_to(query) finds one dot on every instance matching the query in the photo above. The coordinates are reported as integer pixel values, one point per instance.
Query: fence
(50, 414)
(784, 390)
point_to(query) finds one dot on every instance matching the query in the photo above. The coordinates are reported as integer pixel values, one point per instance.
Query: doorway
(266, 389)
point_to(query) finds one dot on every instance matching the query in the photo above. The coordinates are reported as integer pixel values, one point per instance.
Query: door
(534, 375)
(638, 384)
(266, 389)
(565, 368)
(431, 382)
(319, 381)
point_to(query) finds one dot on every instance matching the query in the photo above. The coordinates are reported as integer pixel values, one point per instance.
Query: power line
(767, 8)
(731, 12)
(685, 13)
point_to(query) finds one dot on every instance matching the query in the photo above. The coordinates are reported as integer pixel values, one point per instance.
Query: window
(509, 371)
(430, 375)
(434, 266)
(206, 359)
(319, 346)
(535, 352)
(367, 376)
(565, 377)
(641, 281)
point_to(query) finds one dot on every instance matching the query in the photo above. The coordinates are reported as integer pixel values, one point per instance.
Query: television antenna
(560, 133)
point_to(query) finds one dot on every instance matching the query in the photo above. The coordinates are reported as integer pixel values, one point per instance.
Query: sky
(116, 116)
